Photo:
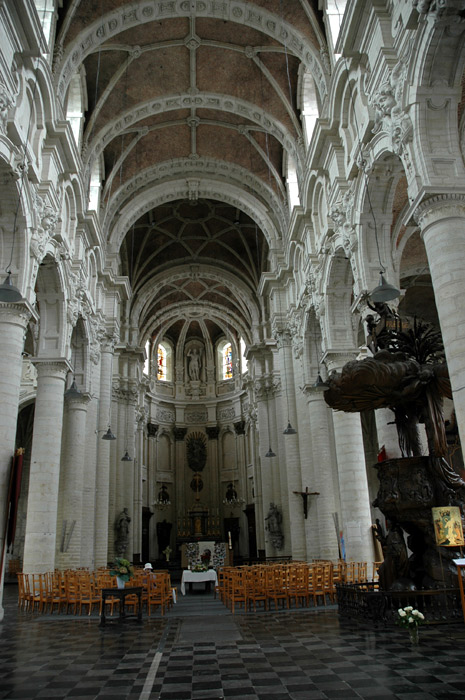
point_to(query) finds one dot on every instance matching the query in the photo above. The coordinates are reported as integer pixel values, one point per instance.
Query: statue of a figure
(395, 567)
(122, 532)
(194, 364)
(273, 526)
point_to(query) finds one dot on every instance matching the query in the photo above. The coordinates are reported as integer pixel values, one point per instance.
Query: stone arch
(51, 305)
(79, 349)
(375, 198)
(312, 347)
(76, 105)
(142, 12)
(156, 195)
(309, 103)
(338, 283)
(242, 188)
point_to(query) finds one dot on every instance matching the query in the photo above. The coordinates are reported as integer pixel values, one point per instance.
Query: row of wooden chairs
(283, 585)
(79, 591)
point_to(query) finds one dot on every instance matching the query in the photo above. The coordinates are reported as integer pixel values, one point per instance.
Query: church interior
(221, 224)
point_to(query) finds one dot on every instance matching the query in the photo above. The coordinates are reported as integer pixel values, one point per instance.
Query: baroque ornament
(390, 116)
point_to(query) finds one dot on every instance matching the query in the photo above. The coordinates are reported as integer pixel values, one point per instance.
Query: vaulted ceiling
(191, 114)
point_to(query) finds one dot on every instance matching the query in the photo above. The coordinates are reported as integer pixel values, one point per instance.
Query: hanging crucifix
(305, 494)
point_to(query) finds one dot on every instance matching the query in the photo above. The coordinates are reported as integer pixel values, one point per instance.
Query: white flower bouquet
(409, 617)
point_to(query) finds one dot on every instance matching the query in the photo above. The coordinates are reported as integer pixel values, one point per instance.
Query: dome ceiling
(191, 114)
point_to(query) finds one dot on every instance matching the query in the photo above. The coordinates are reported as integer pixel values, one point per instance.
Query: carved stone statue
(273, 526)
(122, 532)
(194, 364)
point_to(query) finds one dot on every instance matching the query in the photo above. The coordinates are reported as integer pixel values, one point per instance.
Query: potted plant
(123, 570)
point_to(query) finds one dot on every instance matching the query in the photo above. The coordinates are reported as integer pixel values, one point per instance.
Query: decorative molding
(196, 417)
(165, 416)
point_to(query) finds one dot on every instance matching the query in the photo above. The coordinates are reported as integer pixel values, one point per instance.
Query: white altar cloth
(197, 577)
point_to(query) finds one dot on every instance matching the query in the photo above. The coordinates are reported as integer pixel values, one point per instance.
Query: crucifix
(305, 494)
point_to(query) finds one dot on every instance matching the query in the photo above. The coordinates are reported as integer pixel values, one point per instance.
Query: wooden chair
(318, 583)
(89, 594)
(277, 585)
(298, 584)
(156, 593)
(256, 586)
(237, 589)
(104, 580)
(24, 592)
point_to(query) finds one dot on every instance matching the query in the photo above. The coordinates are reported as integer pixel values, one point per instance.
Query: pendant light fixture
(109, 435)
(126, 457)
(270, 452)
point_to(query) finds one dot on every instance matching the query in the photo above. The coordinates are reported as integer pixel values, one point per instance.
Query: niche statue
(122, 532)
(273, 526)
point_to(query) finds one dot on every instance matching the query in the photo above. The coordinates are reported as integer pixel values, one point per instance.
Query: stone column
(442, 223)
(13, 322)
(293, 481)
(352, 473)
(325, 504)
(103, 457)
(70, 512)
(138, 456)
(42, 505)
(266, 488)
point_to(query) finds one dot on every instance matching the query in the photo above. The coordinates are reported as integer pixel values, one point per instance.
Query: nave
(199, 650)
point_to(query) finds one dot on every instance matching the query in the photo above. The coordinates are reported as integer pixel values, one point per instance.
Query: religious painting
(448, 528)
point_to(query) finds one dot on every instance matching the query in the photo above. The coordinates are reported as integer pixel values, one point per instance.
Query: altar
(198, 577)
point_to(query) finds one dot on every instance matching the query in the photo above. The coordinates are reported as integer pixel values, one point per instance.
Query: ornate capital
(179, 434)
(239, 427)
(336, 359)
(212, 432)
(152, 429)
(440, 206)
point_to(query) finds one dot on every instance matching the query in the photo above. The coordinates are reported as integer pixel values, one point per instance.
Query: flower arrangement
(199, 567)
(123, 569)
(409, 617)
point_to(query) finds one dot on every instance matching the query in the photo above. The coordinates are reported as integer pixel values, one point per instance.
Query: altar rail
(367, 603)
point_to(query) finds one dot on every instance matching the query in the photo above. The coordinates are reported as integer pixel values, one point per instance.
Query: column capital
(312, 393)
(336, 359)
(77, 400)
(52, 365)
(440, 206)
(17, 312)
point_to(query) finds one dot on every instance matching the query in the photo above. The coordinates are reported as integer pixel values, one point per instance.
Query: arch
(216, 173)
(164, 361)
(224, 360)
(51, 304)
(76, 105)
(145, 11)
(339, 282)
(309, 103)
(154, 195)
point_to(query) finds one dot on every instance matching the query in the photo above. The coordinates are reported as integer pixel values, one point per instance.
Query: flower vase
(413, 634)
(120, 582)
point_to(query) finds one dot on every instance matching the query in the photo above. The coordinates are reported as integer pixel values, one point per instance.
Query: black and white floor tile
(199, 650)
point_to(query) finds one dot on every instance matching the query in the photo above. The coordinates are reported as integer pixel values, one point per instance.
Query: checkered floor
(199, 651)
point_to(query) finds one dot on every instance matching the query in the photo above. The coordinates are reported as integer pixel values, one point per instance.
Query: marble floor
(199, 650)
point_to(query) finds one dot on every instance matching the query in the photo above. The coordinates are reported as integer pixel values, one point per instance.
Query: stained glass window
(227, 361)
(161, 363)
